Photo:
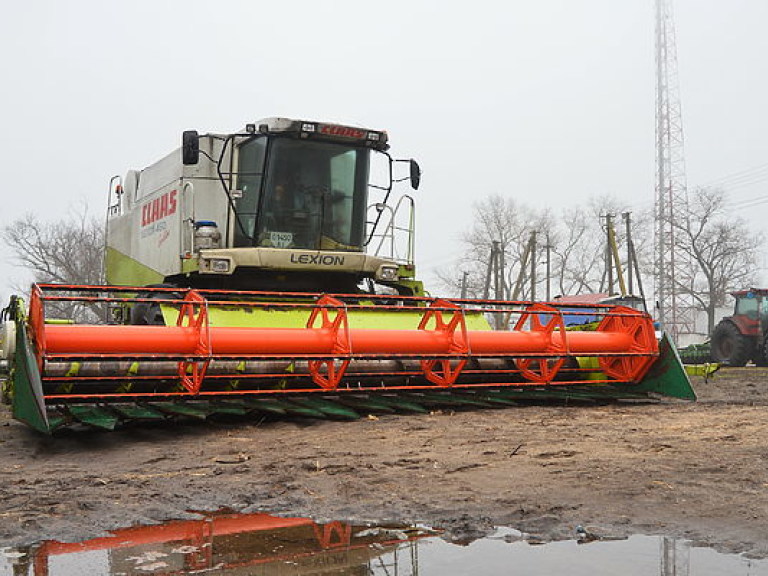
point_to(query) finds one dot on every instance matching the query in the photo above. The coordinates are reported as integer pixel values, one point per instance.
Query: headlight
(387, 273)
(216, 265)
(220, 265)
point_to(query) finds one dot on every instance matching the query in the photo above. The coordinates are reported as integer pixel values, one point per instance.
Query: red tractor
(743, 337)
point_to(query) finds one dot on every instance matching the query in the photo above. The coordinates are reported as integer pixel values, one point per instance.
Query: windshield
(747, 306)
(314, 195)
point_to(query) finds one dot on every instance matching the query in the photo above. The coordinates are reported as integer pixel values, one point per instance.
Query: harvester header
(264, 272)
(319, 355)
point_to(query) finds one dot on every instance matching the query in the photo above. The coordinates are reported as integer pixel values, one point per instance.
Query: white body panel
(153, 223)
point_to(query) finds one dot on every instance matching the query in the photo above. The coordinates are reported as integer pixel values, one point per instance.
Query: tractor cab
(750, 312)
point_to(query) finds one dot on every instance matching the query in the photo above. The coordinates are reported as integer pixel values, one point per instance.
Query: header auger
(325, 356)
(270, 270)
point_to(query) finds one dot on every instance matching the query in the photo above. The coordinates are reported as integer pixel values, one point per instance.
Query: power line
(736, 176)
(744, 183)
(749, 203)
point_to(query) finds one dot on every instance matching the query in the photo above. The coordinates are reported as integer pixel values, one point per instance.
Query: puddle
(261, 544)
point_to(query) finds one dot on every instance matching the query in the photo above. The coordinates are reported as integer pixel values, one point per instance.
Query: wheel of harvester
(149, 313)
(729, 346)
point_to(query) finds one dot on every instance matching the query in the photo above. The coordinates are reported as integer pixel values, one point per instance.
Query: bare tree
(720, 247)
(580, 245)
(577, 243)
(66, 251)
(578, 253)
(722, 250)
(501, 220)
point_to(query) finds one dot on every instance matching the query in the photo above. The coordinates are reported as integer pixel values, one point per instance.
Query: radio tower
(675, 310)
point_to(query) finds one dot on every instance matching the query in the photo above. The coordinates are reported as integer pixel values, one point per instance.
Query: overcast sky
(550, 102)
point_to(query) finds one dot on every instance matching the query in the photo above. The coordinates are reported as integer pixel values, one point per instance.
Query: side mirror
(415, 174)
(190, 147)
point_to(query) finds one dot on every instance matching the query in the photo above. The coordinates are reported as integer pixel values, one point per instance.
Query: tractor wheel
(761, 357)
(729, 346)
(6, 392)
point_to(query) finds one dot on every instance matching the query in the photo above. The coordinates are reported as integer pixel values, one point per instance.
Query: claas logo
(159, 208)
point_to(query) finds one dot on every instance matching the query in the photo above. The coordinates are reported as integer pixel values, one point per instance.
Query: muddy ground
(694, 470)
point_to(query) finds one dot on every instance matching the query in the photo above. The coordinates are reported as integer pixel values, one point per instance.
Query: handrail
(389, 243)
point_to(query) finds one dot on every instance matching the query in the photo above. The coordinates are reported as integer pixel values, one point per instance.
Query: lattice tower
(671, 200)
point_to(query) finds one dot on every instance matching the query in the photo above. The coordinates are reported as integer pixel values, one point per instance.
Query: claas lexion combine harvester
(266, 272)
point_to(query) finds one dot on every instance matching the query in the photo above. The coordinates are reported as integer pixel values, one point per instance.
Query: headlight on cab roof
(386, 273)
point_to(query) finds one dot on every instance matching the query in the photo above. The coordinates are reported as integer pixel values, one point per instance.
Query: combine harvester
(256, 272)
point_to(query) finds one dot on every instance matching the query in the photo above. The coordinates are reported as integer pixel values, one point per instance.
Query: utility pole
(630, 260)
(632, 263)
(495, 273)
(464, 277)
(533, 266)
(521, 274)
(503, 292)
(489, 272)
(616, 259)
(497, 270)
(549, 268)
(608, 253)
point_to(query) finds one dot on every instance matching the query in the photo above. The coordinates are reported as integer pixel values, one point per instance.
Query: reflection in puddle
(260, 544)
(219, 544)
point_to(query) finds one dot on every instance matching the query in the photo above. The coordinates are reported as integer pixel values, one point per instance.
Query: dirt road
(697, 470)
